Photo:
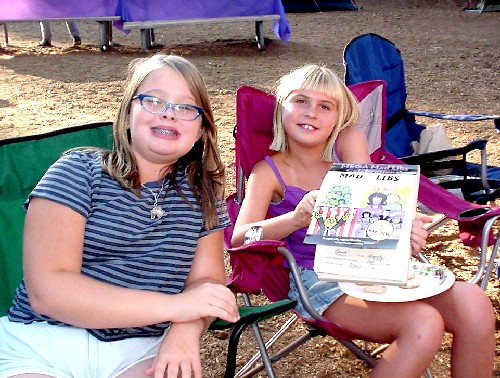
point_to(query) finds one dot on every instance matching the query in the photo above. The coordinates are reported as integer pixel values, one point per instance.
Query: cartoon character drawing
(376, 203)
(339, 195)
(393, 202)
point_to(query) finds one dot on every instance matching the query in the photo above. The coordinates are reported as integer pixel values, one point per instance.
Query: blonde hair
(202, 163)
(317, 78)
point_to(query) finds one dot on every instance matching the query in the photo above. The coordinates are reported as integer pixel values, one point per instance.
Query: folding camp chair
(24, 160)
(372, 57)
(259, 266)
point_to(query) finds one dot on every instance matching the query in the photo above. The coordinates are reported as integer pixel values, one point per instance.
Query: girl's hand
(203, 301)
(303, 211)
(419, 233)
(179, 353)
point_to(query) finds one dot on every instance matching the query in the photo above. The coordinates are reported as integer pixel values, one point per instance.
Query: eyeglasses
(156, 105)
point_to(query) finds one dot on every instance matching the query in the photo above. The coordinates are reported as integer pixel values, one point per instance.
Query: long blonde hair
(203, 164)
(317, 78)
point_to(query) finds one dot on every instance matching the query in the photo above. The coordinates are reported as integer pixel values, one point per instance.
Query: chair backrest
(372, 57)
(24, 160)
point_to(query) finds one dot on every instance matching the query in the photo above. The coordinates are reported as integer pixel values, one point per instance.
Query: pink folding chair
(259, 266)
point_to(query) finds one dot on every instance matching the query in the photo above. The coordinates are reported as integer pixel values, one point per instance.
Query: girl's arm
(262, 185)
(180, 349)
(52, 253)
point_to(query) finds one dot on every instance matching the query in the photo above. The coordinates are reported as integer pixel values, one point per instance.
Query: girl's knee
(427, 326)
(477, 309)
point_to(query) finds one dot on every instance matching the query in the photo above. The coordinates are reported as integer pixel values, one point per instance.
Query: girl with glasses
(123, 251)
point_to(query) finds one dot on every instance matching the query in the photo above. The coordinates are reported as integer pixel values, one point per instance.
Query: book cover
(362, 222)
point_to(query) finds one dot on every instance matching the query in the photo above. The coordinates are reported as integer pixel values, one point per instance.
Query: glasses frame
(168, 105)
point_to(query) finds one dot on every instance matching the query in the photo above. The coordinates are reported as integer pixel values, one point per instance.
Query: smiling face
(309, 117)
(158, 140)
(328, 98)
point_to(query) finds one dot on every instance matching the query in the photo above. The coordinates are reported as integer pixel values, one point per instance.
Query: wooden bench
(147, 27)
(105, 27)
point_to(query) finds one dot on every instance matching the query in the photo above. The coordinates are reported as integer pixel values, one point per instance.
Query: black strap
(395, 118)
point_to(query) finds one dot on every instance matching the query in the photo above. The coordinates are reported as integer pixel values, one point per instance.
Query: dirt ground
(452, 66)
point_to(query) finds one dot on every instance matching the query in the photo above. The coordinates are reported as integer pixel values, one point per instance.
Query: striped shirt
(123, 245)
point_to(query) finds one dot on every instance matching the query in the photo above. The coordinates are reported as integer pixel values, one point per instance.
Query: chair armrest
(294, 269)
(434, 161)
(278, 250)
(477, 144)
(255, 314)
(458, 117)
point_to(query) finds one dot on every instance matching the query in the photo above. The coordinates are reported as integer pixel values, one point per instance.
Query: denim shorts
(321, 293)
(67, 352)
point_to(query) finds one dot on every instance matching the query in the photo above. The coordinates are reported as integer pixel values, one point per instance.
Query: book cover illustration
(362, 222)
(363, 206)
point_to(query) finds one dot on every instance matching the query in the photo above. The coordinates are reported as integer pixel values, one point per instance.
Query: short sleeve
(69, 181)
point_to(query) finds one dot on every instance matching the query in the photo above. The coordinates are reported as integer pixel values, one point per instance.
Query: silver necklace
(156, 211)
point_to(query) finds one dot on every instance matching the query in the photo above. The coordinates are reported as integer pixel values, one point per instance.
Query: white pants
(67, 352)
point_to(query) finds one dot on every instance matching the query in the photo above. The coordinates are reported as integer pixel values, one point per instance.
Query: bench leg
(5, 35)
(152, 38)
(259, 34)
(104, 35)
(145, 40)
(109, 27)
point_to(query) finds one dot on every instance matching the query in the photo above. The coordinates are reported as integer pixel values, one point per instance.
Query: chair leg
(232, 350)
(242, 372)
(482, 274)
(491, 263)
(250, 315)
(301, 340)
(260, 342)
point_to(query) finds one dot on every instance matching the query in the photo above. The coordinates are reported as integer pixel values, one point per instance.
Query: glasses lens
(156, 105)
(153, 104)
(186, 112)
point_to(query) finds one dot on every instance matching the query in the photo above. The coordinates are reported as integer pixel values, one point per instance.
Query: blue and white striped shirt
(122, 244)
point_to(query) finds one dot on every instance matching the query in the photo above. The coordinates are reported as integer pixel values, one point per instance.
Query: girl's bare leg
(138, 369)
(468, 314)
(414, 331)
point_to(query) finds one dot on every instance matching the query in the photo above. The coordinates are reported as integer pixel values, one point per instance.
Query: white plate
(433, 280)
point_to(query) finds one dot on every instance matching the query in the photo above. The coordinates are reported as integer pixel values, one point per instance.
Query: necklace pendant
(156, 212)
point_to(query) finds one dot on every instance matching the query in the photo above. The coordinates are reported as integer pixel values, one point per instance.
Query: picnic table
(147, 15)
